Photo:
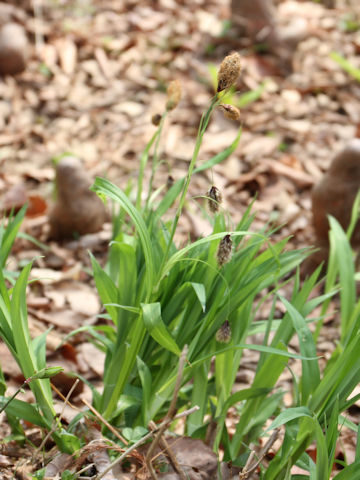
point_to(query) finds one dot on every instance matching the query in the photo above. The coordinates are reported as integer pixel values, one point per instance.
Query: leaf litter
(96, 74)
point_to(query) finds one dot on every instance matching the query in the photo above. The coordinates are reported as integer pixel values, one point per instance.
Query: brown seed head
(156, 119)
(229, 71)
(173, 95)
(224, 251)
(169, 182)
(214, 199)
(230, 111)
(223, 335)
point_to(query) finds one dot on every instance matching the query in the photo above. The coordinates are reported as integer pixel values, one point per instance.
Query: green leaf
(310, 369)
(67, 475)
(156, 327)
(25, 411)
(348, 423)
(220, 157)
(106, 289)
(124, 271)
(322, 469)
(146, 380)
(288, 415)
(343, 252)
(351, 472)
(199, 397)
(250, 97)
(24, 346)
(134, 434)
(124, 402)
(69, 443)
(259, 348)
(143, 162)
(170, 197)
(105, 187)
(200, 293)
(46, 373)
(127, 308)
(236, 397)
(346, 65)
(8, 235)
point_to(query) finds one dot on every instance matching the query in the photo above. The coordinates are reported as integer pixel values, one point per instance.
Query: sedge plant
(160, 298)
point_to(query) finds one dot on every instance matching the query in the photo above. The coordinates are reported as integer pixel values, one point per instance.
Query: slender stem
(202, 128)
(12, 397)
(155, 156)
(143, 162)
(104, 421)
(248, 470)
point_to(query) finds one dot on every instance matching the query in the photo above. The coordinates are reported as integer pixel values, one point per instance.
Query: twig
(57, 391)
(172, 457)
(142, 440)
(248, 463)
(247, 470)
(168, 417)
(105, 422)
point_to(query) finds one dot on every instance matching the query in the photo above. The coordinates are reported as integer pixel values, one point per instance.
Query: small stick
(57, 391)
(248, 462)
(247, 471)
(142, 440)
(172, 457)
(105, 422)
(168, 417)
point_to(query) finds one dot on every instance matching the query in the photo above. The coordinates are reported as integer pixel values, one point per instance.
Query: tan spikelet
(173, 95)
(170, 182)
(223, 335)
(224, 251)
(156, 119)
(229, 71)
(230, 111)
(214, 199)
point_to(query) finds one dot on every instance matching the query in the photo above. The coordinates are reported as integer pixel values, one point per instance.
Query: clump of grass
(201, 301)
(160, 298)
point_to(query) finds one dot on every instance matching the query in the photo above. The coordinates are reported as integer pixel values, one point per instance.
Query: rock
(13, 49)
(78, 210)
(10, 13)
(336, 192)
(258, 18)
(254, 15)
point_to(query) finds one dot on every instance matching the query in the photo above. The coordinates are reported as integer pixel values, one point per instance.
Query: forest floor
(98, 72)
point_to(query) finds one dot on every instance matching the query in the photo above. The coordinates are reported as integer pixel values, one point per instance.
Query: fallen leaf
(37, 206)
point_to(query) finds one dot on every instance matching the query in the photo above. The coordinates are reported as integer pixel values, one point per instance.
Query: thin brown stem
(247, 470)
(105, 422)
(146, 437)
(172, 457)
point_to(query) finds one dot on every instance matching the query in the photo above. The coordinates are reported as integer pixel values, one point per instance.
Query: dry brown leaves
(98, 72)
